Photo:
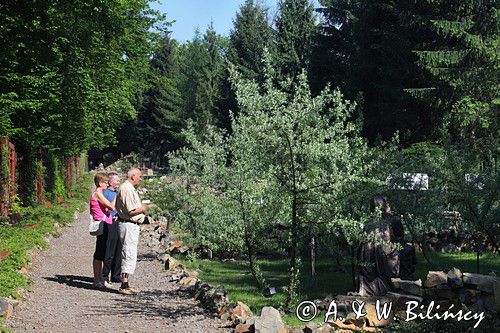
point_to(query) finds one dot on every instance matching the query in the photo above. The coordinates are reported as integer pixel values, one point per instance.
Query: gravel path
(62, 298)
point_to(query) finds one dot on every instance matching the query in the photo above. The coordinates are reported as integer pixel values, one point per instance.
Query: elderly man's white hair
(133, 171)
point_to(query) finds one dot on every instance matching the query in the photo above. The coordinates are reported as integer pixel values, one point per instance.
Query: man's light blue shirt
(110, 195)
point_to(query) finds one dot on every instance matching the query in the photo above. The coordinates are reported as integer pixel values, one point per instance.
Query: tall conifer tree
(295, 36)
(248, 39)
(366, 49)
(160, 116)
(463, 60)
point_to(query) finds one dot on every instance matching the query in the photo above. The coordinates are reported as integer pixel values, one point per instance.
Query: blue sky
(190, 14)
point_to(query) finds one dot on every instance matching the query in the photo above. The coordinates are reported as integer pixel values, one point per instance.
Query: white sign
(409, 181)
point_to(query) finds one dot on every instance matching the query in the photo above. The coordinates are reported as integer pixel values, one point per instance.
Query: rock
(175, 278)
(180, 250)
(489, 303)
(348, 327)
(478, 306)
(399, 300)
(484, 283)
(435, 278)
(325, 303)
(325, 328)
(171, 263)
(445, 291)
(243, 328)
(188, 281)
(455, 278)
(311, 327)
(240, 313)
(371, 316)
(175, 245)
(190, 272)
(269, 321)
(163, 257)
(409, 287)
(7, 306)
(496, 293)
(445, 304)
(351, 319)
(450, 248)
(469, 296)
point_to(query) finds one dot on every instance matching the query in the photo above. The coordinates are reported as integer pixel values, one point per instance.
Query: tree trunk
(353, 267)
(313, 259)
(293, 255)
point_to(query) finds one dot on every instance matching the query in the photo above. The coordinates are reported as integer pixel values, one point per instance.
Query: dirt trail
(63, 300)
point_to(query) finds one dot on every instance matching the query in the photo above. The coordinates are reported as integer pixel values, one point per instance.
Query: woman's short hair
(113, 174)
(100, 177)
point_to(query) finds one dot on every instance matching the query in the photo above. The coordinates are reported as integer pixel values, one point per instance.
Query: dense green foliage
(70, 75)
(69, 72)
(463, 60)
(295, 36)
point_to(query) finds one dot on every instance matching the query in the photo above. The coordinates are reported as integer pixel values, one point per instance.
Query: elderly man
(112, 260)
(131, 213)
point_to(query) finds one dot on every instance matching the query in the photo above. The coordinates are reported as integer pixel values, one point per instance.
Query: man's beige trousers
(129, 237)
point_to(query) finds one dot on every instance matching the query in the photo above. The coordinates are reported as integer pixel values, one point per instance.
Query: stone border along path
(62, 297)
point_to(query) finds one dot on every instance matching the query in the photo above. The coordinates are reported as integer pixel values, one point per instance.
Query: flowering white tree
(306, 149)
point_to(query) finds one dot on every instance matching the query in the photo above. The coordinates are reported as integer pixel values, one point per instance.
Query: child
(100, 209)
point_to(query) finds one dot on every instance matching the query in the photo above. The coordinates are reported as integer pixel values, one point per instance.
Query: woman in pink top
(100, 209)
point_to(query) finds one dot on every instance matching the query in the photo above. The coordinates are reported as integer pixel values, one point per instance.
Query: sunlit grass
(239, 283)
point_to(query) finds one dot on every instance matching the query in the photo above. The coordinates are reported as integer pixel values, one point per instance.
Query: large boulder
(243, 328)
(435, 278)
(469, 296)
(399, 300)
(455, 278)
(371, 316)
(484, 283)
(240, 313)
(408, 286)
(269, 321)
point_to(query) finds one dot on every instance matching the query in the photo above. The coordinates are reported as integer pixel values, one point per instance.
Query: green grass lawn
(236, 277)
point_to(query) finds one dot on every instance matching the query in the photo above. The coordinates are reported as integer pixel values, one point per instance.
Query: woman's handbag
(96, 228)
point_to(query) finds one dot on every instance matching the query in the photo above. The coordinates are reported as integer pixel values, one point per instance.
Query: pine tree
(192, 64)
(463, 60)
(213, 73)
(295, 36)
(248, 39)
(201, 75)
(160, 118)
(366, 49)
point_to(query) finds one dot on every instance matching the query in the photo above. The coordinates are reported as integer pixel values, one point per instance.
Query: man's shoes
(128, 291)
(107, 284)
(99, 285)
